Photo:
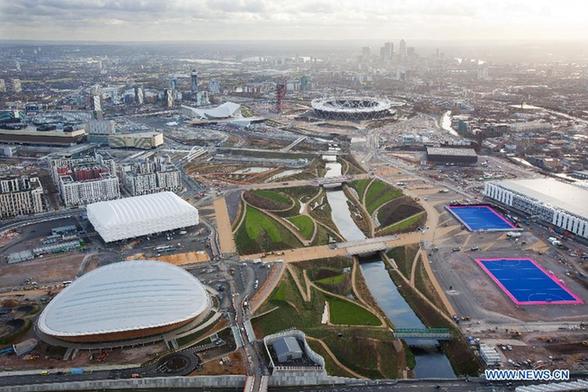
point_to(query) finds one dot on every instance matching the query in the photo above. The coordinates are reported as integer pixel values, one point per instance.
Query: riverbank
(461, 357)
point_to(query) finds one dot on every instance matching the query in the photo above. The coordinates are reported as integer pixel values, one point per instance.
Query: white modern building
(123, 301)
(224, 111)
(138, 216)
(554, 202)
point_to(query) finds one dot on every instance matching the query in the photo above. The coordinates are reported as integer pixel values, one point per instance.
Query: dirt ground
(42, 357)
(178, 258)
(49, 269)
(234, 365)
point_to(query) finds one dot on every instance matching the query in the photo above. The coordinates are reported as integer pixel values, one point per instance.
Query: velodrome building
(554, 202)
(125, 301)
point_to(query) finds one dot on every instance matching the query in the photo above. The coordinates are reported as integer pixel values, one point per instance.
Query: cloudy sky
(155, 20)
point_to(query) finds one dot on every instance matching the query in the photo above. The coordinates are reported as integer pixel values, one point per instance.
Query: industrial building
(99, 130)
(550, 201)
(140, 140)
(138, 216)
(49, 138)
(150, 176)
(20, 196)
(287, 348)
(452, 155)
(85, 180)
(124, 301)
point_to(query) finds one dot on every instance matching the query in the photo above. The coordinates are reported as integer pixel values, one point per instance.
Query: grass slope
(259, 233)
(304, 224)
(379, 193)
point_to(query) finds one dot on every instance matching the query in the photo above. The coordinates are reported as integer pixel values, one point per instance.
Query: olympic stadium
(352, 108)
(125, 301)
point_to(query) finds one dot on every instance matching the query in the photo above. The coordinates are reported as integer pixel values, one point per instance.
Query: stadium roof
(451, 151)
(125, 296)
(137, 216)
(549, 191)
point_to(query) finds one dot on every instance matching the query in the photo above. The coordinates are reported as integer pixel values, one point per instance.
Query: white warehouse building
(137, 216)
(554, 202)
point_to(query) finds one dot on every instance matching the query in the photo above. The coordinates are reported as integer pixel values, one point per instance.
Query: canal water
(430, 360)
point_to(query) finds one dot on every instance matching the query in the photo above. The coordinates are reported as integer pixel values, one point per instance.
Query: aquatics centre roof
(137, 216)
(122, 297)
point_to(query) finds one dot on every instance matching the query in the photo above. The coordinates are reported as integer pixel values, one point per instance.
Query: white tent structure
(137, 216)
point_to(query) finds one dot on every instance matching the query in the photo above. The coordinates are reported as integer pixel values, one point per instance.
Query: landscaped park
(329, 301)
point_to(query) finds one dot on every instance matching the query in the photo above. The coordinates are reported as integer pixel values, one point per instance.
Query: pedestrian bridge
(423, 333)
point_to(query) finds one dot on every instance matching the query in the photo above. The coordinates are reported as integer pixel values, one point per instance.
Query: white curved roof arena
(125, 296)
(352, 105)
(136, 216)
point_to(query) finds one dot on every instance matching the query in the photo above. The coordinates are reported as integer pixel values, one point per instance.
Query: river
(430, 360)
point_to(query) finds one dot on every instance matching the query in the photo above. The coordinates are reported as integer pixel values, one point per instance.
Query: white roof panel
(549, 191)
(136, 216)
(125, 296)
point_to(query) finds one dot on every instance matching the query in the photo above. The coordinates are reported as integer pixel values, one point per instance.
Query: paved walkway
(223, 225)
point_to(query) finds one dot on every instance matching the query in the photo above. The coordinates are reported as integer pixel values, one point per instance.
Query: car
(456, 249)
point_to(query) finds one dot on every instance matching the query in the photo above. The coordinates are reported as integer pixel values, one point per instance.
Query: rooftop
(552, 192)
(466, 152)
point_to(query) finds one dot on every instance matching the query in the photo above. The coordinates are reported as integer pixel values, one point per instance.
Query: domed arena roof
(123, 297)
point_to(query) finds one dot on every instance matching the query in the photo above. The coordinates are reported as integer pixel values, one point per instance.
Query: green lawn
(379, 193)
(274, 196)
(333, 280)
(348, 313)
(259, 233)
(409, 224)
(304, 224)
(359, 186)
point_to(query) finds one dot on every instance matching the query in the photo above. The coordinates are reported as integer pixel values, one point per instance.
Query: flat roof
(549, 191)
(465, 152)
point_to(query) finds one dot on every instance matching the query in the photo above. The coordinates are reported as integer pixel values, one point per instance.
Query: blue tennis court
(480, 218)
(526, 283)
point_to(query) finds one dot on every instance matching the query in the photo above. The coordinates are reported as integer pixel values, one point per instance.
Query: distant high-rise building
(202, 98)
(402, 49)
(16, 85)
(214, 86)
(97, 107)
(387, 51)
(173, 83)
(194, 82)
(366, 52)
(305, 83)
(2, 86)
(168, 96)
(139, 95)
